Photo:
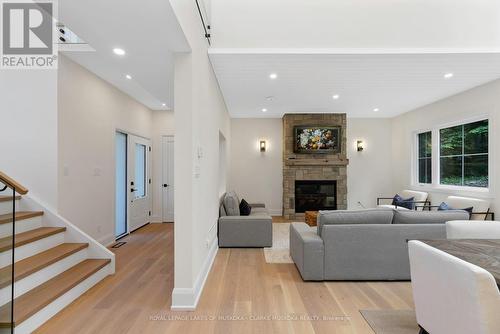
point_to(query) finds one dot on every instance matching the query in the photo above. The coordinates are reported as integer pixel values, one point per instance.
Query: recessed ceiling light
(376, 109)
(273, 76)
(448, 75)
(119, 51)
(128, 76)
(164, 104)
(264, 109)
(336, 97)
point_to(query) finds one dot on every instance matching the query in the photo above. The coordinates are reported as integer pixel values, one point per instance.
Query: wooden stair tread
(20, 215)
(37, 262)
(29, 236)
(36, 299)
(8, 198)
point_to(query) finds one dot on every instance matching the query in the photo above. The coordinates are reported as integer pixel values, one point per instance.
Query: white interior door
(168, 178)
(139, 181)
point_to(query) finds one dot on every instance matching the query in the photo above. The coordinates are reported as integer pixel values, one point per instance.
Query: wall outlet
(66, 170)
(97, 171)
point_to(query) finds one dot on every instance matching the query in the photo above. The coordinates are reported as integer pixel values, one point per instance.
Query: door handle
(132, 190)
(165, 185)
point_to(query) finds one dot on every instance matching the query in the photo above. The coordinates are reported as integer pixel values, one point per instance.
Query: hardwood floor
(281, 219)
(240, 287)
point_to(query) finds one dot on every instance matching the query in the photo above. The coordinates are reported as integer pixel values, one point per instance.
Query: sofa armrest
(307, 251)
(257, 205)
(245, 231)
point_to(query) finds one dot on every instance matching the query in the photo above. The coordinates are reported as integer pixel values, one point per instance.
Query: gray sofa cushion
(231, 204)
(349, 217)
(429, 217)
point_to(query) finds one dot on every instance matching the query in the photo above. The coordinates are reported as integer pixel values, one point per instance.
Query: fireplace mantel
(316, 162)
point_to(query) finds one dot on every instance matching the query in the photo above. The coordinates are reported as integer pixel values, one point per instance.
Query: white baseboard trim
(276, 212)
(186, 299)
(107, 240)
(156, 219)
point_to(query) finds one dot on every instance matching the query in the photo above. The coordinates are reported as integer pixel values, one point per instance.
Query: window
(425, 157)
(463, 151)
(140, 170)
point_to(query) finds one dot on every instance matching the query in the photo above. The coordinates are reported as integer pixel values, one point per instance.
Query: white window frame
(436, 185)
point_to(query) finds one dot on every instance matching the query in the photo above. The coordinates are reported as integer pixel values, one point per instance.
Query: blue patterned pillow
(408, 203)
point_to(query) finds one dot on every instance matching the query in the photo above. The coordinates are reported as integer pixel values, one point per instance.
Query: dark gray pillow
(245, 208)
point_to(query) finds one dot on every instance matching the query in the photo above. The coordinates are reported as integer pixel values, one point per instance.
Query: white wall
(257, 177)
(200, 114)
(90, 111)
(28, 131)
(480, 101)
(163, 125)
(369, 174)
(356, 24)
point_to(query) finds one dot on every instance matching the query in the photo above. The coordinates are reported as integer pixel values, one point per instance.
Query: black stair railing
(10, 189)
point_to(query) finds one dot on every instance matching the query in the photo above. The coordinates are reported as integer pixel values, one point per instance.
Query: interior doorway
(168, 179)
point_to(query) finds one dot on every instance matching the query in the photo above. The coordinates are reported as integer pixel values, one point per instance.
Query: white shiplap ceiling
(394, 83)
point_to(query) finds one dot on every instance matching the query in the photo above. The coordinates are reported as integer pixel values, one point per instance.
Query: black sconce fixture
(262, 145)
(359, 145)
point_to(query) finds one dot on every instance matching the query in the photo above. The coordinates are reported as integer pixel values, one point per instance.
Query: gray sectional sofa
(255, 230)
(367, 244)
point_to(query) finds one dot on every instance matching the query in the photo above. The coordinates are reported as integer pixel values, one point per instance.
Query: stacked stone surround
(312, 166)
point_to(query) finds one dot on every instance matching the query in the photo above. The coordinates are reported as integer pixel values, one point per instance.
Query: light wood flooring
(240, 288)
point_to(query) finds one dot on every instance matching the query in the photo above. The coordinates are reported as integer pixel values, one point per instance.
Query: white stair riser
(32, 281)
(6, 207)
(31, 249)
(21, 226)
(35, 321)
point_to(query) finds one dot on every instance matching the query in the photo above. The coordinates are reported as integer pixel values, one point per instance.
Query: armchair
(480, 207)
(420, 200)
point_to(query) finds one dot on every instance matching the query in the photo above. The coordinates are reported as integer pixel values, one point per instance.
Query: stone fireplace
(313, 181)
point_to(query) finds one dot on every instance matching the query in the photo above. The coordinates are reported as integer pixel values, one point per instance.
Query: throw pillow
(408, 203)
(245, 208)
(444, 206)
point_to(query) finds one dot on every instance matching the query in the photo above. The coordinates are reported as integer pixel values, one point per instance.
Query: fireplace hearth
(315, 195)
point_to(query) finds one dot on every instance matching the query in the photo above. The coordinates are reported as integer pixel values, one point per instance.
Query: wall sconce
(262, 145)
(360, 146)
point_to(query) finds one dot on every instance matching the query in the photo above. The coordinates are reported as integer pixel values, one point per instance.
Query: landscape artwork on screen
(317, 139)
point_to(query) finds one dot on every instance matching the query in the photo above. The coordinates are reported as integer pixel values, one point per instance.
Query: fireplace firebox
(315, 195)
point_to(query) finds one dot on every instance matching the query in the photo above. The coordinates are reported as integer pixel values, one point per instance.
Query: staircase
(54, 264)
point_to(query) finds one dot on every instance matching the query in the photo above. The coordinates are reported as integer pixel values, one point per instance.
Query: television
(317, 139)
